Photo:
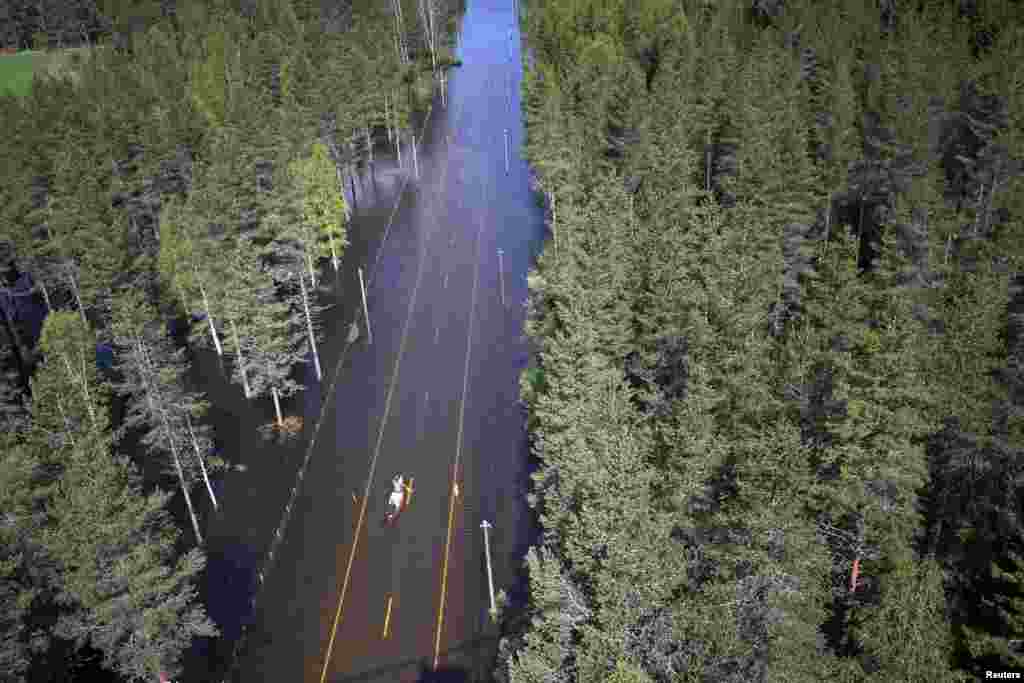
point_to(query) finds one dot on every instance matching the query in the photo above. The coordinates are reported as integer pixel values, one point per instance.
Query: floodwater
(434, 397)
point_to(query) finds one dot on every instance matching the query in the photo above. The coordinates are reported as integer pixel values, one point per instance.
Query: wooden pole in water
(366, 312)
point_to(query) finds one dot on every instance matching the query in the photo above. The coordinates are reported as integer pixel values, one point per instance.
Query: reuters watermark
(1003, 676)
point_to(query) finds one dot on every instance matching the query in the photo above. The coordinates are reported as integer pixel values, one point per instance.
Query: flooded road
(433, 397)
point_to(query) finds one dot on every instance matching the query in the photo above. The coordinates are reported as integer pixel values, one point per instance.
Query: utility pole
(366, 312)
(501, 276)
(485, 525)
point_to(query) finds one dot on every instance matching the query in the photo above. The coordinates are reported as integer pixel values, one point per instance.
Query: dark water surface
(438, 385)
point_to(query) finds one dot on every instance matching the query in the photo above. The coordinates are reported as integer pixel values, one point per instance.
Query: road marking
(376, 453)
(387, 618)
(458, 446)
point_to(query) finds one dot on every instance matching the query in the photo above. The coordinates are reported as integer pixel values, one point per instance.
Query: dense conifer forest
(777, 398)
(176, 186)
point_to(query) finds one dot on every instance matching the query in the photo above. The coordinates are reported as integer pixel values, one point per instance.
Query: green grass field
(16, 70)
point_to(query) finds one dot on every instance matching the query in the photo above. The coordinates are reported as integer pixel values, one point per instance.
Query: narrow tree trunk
(312, 272)
(184, 301)
(398, 145)
(85, 389)
(707, 162)
(309, 329)
(46, 296)
(334, 253)
(387, 119)
(241, 359)
(199, 457)
(415, 158)
(64, 418)
(181, 479)
(369, 146)
(143, 368)
(209, 317)
(78, 298)
(277, 406)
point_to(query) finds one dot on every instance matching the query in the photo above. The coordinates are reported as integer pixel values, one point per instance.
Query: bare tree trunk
(334, 253)
(707, 162)
(184, 301)
(277, 406)
(66, 421)
(199, 457)
(181, 479)
(398, 145)
(85, 388)
(309, 329)
(143, 369)
(387, 119)
(46, 296)
(209, 314)
(415, 158)
(78, 298)
(241, 359)
(312, 271)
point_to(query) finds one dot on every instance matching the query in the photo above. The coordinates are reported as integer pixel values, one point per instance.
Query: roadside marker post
(485, 525)
(501, 276)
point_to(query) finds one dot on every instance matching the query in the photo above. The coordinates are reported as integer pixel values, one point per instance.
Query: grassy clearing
(16, 70)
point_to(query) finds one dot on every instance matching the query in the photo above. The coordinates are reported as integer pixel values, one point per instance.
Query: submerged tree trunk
(241, 359)
(309, 329)
(199, 457)
(312, 272)
(143, 369)
(46, 296)
(334, 253)
(209, 317)
(181, 479)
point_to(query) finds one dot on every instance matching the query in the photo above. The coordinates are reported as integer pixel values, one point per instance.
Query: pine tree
(324, 211)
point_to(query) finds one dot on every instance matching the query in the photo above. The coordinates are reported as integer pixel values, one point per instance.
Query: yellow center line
(458, 446)
(387, 617)
(376, 454)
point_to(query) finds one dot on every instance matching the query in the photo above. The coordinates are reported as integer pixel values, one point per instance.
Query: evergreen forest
(178, 185)
(776, 406)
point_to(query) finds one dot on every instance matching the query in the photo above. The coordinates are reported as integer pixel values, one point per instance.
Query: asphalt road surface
(433, 397)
